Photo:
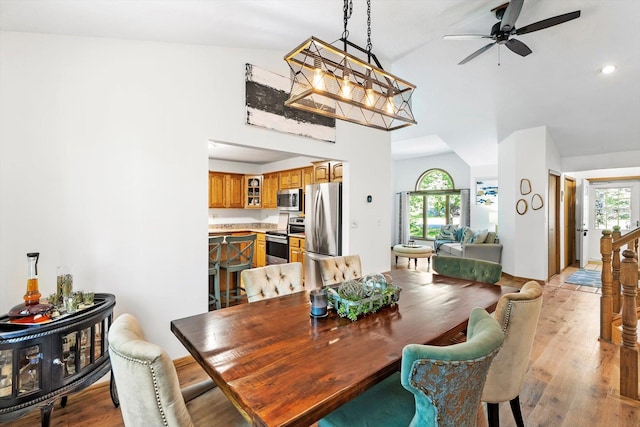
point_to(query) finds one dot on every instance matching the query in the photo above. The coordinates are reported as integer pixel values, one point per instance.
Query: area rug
(586, 278)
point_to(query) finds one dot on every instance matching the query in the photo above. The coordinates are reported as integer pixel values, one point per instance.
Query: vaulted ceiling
(465, 108)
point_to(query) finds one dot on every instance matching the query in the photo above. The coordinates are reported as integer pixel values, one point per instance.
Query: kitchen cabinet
(253, 191)
(327, 171)
(260, 254)
(226, 190)
(307, 176)
(291, 179)
(336, 171)
(296, 250)
(270, 190)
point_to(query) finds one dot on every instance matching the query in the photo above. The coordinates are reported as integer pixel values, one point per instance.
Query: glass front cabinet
(44, 362)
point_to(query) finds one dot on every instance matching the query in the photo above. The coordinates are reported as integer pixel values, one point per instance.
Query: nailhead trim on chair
(153, 375)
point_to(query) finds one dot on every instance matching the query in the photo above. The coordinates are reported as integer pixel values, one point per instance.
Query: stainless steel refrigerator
(322, 228)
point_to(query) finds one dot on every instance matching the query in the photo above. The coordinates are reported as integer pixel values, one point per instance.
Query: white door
(612, 203)
(582, 208)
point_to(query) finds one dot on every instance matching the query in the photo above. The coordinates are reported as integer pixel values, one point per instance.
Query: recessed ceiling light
(608, 69)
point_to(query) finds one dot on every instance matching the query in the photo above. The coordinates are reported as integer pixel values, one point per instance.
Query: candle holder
(319, 301)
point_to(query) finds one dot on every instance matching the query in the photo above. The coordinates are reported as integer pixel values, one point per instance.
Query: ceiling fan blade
(511, 15)
(476, 53)
(518, 47)
(466, 37)
(546, 23)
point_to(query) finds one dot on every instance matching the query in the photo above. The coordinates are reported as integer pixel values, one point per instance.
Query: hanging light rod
(329, 81)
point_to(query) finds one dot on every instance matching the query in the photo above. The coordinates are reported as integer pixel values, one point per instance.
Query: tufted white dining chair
(518, 315)
(340, 268)
(272, 281)
(148, 386)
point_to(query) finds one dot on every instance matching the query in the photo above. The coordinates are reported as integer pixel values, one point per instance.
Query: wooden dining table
(281, 367)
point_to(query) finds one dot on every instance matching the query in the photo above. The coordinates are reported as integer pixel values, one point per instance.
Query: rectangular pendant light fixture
(329, 81)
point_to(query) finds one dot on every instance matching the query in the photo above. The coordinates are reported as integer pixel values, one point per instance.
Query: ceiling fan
(502, 31)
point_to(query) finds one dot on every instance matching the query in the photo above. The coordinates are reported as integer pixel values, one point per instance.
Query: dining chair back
(518, 315)
(467, 268)
(239, 256)
(340, 268)
(215, 245)
(437, 386)
(148, 387)
(272, 281)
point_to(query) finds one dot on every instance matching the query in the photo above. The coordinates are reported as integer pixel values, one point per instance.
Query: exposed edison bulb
(318, 75)
(390, 107)
(369, 94)
(346, 88)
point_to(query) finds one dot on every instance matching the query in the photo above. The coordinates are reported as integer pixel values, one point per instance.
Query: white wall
(103, 167)
(524, 154)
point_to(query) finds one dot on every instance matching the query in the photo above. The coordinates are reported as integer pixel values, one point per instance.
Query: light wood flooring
(572, 380)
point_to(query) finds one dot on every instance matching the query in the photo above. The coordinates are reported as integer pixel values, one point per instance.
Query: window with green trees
(613, 207)
(434, 203)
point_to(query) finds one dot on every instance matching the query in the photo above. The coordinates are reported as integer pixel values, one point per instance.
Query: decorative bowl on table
(354, 298)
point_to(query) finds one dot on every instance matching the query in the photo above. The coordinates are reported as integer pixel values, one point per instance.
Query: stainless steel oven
(277, 247)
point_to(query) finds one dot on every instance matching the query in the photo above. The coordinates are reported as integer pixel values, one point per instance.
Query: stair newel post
(615, 262)
(606, 302)
(629, 346)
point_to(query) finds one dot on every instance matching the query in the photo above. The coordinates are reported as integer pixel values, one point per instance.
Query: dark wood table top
(281, 367)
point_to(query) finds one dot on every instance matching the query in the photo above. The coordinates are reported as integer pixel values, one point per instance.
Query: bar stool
(239, 257)
(215, 244)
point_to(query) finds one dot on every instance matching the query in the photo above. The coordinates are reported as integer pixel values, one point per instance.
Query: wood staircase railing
(620, 297)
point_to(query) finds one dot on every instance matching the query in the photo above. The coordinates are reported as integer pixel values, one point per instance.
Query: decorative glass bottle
(31, 311)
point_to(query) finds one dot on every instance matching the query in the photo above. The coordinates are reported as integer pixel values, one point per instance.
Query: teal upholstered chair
(239, 257)
(148, 386)
(437, 386)
(215, 244)
(467, 268)
(518, 315)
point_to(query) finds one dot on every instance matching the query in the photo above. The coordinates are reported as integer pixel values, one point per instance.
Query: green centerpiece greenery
(368, 294)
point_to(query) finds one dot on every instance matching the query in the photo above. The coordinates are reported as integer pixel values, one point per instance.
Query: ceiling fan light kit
(329, 81)
(502, 31)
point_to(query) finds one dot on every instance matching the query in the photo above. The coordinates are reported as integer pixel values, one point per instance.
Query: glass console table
(41, 363)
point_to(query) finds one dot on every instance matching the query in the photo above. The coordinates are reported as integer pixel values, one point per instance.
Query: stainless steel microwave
(290, 200)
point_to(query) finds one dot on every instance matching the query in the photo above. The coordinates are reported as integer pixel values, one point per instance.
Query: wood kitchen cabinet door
(291, 179)
(296, 251)
(235, 187)
(307, 176)
(321, 172)
(226, 190)
(270, 189)
(217, 189)
(260, 255)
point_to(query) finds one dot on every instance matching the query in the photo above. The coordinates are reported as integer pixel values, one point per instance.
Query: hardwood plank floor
(572, 380)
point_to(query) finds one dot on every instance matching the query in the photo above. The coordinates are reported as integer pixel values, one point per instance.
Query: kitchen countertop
(247, 228)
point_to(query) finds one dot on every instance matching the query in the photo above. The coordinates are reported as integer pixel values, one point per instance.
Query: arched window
(434, 203)
(435, 179)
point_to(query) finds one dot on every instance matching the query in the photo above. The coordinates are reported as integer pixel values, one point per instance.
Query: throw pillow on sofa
(448, 232)
(480, 236)
(465, 234)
